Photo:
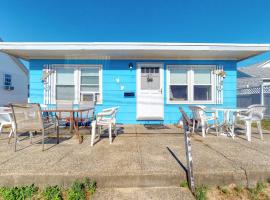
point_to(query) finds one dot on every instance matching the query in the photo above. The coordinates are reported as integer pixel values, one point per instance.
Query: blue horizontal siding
(113, 96)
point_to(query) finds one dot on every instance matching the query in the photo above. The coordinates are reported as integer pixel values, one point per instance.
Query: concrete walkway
(150, 157)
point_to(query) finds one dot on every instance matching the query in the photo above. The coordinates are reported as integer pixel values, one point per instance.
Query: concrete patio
(139, 157)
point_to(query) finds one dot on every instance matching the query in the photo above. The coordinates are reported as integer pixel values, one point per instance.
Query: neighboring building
(148, 81)
(253, 85)
(13, 81)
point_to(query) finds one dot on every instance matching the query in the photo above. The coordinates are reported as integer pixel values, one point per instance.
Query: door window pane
(202, 92)
(150, 78)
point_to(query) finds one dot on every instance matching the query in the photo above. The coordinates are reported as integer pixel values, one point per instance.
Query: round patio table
(229, 114)
(73, 123)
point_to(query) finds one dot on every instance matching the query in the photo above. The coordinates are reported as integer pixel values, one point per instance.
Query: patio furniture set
(30, 118)
(23, 118)
(208, 118)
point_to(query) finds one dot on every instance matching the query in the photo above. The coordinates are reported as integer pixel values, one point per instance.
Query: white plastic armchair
(107, 117)
(5, 119)
(255, 113)
(200, 118)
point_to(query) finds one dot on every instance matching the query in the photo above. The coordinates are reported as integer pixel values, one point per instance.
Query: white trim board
(128, 50)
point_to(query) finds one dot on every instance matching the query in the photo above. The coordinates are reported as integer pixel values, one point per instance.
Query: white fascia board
(131, 46)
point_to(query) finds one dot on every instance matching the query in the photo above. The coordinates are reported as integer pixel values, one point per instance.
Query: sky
(218, 21)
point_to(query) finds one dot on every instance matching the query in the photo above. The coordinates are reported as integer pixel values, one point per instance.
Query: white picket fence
(254, 95)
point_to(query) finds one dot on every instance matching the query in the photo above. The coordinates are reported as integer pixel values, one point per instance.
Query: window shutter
(218, 82)
(48, 79)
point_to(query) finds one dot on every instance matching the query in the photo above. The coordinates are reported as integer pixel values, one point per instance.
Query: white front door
(150, 100)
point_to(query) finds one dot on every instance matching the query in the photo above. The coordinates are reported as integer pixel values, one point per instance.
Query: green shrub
(184, 184)
(200, 192)
(76, 191)
(90, 185)
(18, 193)
(224, 190)
(254, 192)
(238, 189)
(52, 193)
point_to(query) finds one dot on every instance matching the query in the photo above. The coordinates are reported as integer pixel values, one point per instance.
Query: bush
(200, 192)
(89, 185)
(76, 191)
(184, 184)
(52, 193)
(18, 193)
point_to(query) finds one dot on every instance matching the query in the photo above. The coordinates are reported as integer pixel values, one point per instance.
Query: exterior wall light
(130, 66)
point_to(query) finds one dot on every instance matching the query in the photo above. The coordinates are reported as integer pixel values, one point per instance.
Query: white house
(13, 81)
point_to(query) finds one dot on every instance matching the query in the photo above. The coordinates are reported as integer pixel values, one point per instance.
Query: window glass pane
(202, 76)
(64, 76)
(178, 92)
(202, 92)
(7, 79)
(89, 88)
(89, 71)
(178, 76)
(65, 92)
(89, 80)
(150, 81)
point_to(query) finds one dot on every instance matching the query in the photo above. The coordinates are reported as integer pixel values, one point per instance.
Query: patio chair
(85, 118)
(64, 117)
(28, 118)
(200, 118)
(5, 119)
(107, 117)
(254, 113)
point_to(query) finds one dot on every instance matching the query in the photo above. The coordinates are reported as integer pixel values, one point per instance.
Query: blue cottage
(148, 81)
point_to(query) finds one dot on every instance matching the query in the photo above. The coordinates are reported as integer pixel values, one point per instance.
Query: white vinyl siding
(190, 84)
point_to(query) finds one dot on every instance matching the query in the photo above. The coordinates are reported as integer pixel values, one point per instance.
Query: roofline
(139, 44)
(16, 48)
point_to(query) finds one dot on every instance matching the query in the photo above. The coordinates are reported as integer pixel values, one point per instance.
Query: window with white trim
(190, 84)
(78, 83)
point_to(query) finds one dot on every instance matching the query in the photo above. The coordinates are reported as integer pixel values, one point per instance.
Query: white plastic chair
(202, 119)
(107, 117)
(255, 113)
(5, 119)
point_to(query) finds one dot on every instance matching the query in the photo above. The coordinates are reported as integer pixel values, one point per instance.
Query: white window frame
(77, 80)
(190, 81)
